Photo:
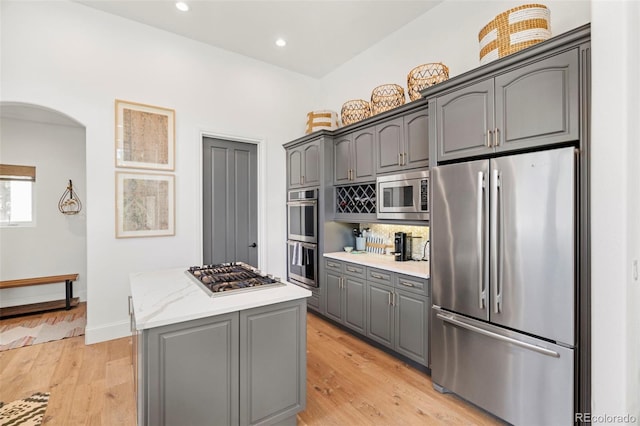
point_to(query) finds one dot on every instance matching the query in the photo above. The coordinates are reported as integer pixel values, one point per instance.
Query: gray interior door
(230, 216)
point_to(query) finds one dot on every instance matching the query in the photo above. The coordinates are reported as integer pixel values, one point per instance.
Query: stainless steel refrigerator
(503, 240)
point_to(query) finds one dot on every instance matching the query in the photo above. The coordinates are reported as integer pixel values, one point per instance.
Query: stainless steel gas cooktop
(231, 278)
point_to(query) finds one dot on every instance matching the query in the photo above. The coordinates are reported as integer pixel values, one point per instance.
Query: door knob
(254, 245)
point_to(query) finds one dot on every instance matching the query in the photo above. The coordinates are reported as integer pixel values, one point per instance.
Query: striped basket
(318, 120)
(514, 30)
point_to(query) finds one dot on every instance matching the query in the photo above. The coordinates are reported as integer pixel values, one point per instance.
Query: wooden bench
(67, 303)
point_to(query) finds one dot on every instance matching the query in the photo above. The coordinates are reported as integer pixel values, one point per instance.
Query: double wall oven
(302, 237)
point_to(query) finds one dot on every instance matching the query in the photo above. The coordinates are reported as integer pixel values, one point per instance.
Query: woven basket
(514, 30)
(386, 97)
(424, 76)
(318, 120)
(355, 110)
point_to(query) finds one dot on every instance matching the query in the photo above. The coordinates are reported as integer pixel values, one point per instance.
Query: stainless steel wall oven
(302, 237)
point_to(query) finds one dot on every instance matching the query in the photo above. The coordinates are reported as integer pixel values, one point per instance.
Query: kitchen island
(232, 359)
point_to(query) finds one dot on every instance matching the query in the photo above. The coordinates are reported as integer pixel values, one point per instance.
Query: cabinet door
(389, 145)
(463, 119)
(311, 169)
(380, 314)
(411, 326)
(354, 306)
(294, 168)
(342, 159)
(272, 364)
(363, 156)
(539, 104)
(416, 140)
(333, 291)
(183, 385)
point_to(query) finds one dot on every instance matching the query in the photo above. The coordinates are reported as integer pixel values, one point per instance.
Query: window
(16, 195)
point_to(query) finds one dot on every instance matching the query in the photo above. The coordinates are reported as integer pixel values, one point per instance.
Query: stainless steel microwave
(403, 196)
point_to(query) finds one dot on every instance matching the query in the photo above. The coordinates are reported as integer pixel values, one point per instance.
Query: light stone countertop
(170, 296)
(418, 269)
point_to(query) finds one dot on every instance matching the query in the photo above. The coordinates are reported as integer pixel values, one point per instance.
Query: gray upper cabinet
(537, 104)
(464, 118)
(354, 157)
(403, 142)
(303, 165)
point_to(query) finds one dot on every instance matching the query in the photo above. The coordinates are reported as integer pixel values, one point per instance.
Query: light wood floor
(348, 383)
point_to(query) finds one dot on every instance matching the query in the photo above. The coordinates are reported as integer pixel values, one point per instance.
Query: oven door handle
(305, 245)
(302, 203)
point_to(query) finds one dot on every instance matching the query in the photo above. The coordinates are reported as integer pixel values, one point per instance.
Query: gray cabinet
(403, 142)
(398, 313)
(303, 165)
(534, 105)
(389, 308)
(354, 157)
(345, 294)
(241, 368)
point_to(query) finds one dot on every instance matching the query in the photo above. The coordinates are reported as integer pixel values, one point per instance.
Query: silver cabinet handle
(130, 301)
(350, 269)
(404, 159)
(496, 336)
(406, 284)
(378, 276)
(389, 299)
(496, 137)
(333, 265)
(496, 250)
(489, 138)
(399, 159)
(393, 299)
(480, 240)
(342, 282)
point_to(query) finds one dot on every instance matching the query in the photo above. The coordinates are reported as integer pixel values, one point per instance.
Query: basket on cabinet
(386, 97)
(514, 30)
(318, 120)
(425, 75)
(355, 110)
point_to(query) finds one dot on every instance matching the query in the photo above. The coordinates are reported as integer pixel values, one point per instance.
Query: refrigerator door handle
(496, 246)
(482, 296)
(500, 337)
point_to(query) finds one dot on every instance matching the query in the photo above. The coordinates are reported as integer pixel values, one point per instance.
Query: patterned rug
(24, 412)
(40, 330)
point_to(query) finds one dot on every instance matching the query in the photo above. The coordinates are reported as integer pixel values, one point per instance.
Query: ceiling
(321, 35)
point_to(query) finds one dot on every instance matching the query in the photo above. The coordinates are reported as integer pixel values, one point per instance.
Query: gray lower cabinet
(241, 368)
(389, 308)
(345, 294)
(532, 105)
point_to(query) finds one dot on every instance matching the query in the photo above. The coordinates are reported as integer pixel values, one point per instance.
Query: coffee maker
(402, 246)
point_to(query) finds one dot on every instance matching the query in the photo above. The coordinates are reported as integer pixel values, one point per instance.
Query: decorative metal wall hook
(72, 204)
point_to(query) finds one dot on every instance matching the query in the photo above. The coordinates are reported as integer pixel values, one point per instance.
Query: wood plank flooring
(348, 383)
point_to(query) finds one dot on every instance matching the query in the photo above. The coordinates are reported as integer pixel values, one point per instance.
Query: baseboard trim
(115, 330)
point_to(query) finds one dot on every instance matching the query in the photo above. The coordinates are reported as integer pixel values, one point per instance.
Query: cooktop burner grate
(231, 278)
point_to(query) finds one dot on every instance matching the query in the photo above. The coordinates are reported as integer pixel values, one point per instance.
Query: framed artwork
(145, 136)
(145, 205)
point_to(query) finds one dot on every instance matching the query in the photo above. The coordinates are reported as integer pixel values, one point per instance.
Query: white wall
(57, 245)
(615, 208)
(447, 33)
(77, 60)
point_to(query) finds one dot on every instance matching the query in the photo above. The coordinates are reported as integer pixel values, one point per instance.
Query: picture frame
(145, 205)
(145, 136)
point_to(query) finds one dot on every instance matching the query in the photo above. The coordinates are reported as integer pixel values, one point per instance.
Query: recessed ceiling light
(182, 6)
(281, 42)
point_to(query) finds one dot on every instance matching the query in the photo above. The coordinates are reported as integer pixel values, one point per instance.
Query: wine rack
(358, 199)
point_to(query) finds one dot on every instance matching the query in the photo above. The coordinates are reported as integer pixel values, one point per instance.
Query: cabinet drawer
(354, 270)
(416, 285)
(333, 265)
(380, 276)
